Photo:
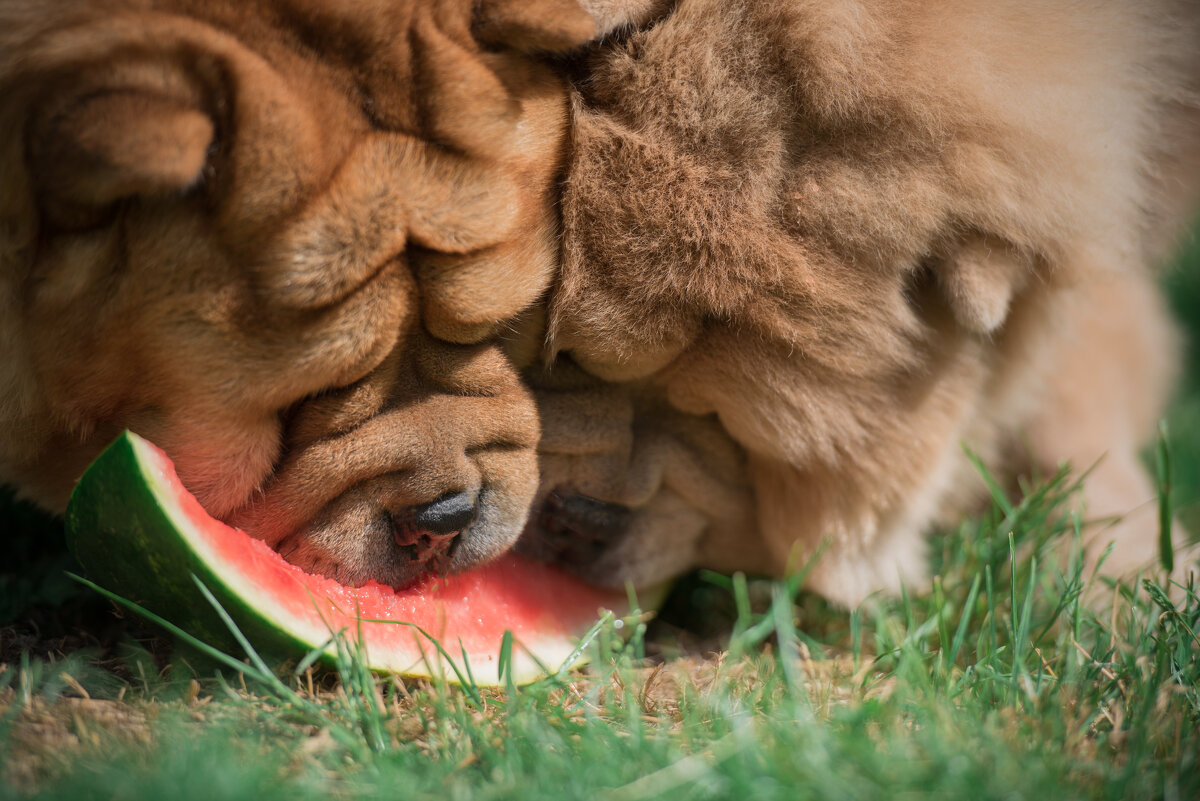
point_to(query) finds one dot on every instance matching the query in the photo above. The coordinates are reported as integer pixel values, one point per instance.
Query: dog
(649, 285)
(858, 236)
(287, 242)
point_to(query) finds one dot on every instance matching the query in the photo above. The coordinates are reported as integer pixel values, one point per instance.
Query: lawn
(996, 681)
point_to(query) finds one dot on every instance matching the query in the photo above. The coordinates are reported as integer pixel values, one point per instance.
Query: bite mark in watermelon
(138, 532)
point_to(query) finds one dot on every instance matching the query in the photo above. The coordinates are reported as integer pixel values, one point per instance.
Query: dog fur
(765, 267)
(860, 235)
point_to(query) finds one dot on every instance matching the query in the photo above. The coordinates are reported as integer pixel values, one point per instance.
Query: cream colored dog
(857, 236)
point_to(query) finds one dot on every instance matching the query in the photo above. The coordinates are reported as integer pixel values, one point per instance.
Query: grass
(995, 681)
(999, 682)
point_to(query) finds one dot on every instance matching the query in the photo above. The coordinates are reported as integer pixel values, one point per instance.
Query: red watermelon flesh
(139, 532)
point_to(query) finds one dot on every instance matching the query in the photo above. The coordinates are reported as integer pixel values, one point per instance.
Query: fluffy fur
(764, 265)
(860, 235)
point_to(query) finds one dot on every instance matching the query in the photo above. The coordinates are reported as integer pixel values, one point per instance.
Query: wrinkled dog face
(279, 242)
(632, 489)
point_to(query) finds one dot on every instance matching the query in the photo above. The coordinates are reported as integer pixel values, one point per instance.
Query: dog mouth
(411, 556)
(355, 542)
(396, 477)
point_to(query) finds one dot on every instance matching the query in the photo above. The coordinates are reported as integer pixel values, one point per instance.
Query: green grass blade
(255, 659)
(584, 642)
(1162, 453)
(471, 689)
(466, 663)
(505, 669)
(208, 650)
(960, 632)
(313, 656)
(999, 496)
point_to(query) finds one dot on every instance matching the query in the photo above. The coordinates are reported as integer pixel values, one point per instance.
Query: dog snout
(574, 531)
(425, 466)
(429, 535)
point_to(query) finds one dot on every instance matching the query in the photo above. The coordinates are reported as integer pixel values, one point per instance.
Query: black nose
(449, 514)
(574, 531)
(428, 536)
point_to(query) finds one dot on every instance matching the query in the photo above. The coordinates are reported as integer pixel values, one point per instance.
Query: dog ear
(114, 141)
(980, 277)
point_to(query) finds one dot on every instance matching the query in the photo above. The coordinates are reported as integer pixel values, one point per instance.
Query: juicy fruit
(139, 533)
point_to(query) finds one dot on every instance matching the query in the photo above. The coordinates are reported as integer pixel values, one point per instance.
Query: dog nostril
(429, 535)
(449, 514)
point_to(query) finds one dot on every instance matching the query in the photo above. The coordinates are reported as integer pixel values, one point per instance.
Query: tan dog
(278, 239)
(859, 235)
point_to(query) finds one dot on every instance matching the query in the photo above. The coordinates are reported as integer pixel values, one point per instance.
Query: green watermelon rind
(122, 533)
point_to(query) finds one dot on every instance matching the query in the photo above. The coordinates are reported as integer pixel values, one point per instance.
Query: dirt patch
(45, 735)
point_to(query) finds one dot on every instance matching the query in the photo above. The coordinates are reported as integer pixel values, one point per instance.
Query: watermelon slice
(139, 533)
